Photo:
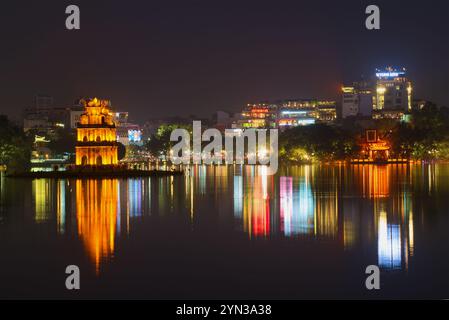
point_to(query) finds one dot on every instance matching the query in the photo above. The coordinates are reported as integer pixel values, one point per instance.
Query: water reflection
(362, 206)
(60, 206)
(392, 209)
(374, 204)
(297, 210)
(256, 205)
(96, 216)
(43, 192)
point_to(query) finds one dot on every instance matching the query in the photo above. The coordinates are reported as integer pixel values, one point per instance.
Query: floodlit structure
(260, 115)
(387, 96)
(288, 113)
(393, 90)
(96, 135)
(374, 147)
(302, 112)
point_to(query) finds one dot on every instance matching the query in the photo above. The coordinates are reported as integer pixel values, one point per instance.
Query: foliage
(62, 141)
(316, 142)
(160, 142)
(121, 150)
(426, 137)
(15, 148)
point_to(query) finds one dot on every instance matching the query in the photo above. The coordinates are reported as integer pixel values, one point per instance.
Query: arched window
(98, 139)
(84, 161)
(99, 161)
(85, 139)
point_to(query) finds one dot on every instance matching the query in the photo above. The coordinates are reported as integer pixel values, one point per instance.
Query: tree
(425, 137)
(15, 148)
(316, 142)
(160, 142)
(121, 150)
(62, 141)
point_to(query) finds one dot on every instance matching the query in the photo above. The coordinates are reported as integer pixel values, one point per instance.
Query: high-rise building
(349, 102)
(43, 101)
(388, 95)
(357, 100)
(393, 90)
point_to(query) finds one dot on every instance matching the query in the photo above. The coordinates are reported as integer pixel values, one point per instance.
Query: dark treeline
(424, 137)
(15, 146)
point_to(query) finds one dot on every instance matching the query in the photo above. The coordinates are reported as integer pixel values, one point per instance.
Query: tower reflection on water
(353, 206)
(97, 217)
(94, 213)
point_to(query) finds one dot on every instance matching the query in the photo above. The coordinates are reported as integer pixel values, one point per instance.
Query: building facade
(129, 134)
(259, 115)
(288, 113)
(44, 118)
(75, 115)
(357, 100)
(388, 95)
(393, 90)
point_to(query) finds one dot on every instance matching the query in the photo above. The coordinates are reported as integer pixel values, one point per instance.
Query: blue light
(305, 121)
(134, 135)
(393, 74)
(293, 112)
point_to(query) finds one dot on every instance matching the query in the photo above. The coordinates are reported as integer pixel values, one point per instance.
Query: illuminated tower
(96, 135)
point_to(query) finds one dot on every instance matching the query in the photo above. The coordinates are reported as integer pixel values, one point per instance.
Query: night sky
(166, 58)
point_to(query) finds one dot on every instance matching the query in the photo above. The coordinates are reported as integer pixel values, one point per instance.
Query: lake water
(230, 232)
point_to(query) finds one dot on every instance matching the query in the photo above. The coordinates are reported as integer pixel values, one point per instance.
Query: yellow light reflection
(96, 213)
(60, 206)
(42, 199)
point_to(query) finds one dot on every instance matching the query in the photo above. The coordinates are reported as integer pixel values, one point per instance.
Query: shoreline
(128, 173)
(94, 174)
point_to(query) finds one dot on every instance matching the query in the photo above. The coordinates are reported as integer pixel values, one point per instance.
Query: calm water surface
(230, 232)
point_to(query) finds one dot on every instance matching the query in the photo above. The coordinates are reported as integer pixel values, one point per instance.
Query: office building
(393, 90)
(357, 100)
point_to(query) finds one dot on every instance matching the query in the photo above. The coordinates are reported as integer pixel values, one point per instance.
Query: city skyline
(144, 64)
(368, 84)
(200, 151)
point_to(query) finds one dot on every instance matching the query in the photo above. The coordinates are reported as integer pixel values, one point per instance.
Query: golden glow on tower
(96, 135)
